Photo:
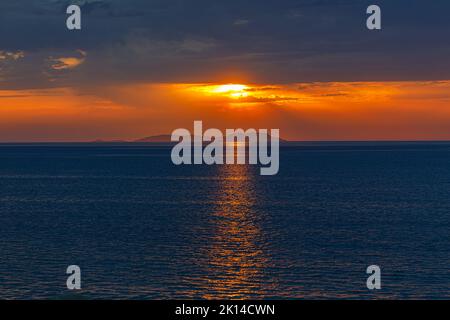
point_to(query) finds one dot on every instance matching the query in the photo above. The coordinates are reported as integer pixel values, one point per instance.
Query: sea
(140, 227)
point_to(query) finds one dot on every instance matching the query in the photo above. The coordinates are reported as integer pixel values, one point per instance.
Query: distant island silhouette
(159, 139)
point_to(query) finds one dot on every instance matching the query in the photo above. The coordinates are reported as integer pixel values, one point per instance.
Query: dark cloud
(268, 41)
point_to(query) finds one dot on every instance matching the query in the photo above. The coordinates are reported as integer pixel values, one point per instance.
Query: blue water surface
(142, 228)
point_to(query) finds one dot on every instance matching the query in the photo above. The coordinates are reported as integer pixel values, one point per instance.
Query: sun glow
(335, 110)
(232, 90)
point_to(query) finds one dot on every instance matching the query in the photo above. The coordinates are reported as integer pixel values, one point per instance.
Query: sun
(232, 90)
(229, 91)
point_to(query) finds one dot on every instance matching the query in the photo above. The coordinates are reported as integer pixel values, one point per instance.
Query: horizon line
(118, 141)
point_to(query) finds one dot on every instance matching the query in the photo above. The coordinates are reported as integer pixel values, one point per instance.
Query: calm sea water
(142, 228)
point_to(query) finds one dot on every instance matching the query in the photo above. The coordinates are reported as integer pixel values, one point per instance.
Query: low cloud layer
(209, 41)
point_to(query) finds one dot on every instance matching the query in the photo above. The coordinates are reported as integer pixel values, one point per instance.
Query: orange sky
(302, 111)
